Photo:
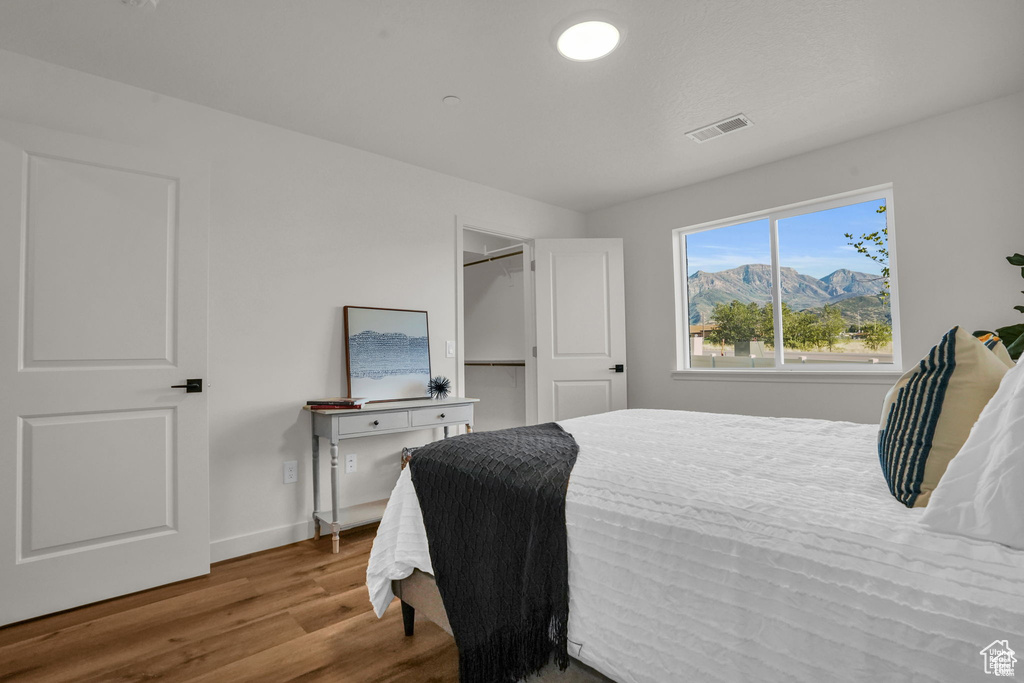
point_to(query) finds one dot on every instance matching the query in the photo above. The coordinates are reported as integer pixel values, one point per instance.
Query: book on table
(316, 406)
(336, 403)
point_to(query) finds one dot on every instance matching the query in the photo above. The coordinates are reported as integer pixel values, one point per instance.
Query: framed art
(387, 352)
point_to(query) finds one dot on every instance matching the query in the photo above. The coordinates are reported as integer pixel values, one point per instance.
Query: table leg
(316, 486)
(335, 525)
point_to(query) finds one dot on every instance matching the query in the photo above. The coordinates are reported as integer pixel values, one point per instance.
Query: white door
(581, 327)
(103, 466)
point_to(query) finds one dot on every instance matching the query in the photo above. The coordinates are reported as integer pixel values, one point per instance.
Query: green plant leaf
(1016, 348)
(1016, 260)
(1010, 333)
(982, 333)
(1019, 308)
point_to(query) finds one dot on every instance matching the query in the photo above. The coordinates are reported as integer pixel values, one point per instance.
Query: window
(819, 276)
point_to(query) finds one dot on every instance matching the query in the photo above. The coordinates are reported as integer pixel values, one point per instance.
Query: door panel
(576, 398)
(76, 304)
(580, 306)
(103, 466)
(51, 482)
(581, 336)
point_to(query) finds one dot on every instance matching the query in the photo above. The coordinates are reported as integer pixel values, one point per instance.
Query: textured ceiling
(371, 74)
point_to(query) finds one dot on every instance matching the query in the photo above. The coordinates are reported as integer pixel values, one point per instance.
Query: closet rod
(495, 258)
(508, 363)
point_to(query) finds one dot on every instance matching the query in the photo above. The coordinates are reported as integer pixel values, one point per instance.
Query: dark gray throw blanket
(493, 506)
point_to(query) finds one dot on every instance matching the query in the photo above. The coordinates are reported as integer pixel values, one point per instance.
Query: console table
(389, 417)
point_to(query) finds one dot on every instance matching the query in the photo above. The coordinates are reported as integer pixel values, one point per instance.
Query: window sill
(883, 377)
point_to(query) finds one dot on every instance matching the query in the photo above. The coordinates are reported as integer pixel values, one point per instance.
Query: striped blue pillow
(928, 414)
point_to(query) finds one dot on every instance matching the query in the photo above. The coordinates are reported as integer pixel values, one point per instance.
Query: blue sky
(812, 243)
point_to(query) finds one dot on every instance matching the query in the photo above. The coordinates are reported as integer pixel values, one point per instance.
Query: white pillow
(981, 495)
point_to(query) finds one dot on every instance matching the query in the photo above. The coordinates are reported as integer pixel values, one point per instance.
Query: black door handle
(618, 368)
(191, 386)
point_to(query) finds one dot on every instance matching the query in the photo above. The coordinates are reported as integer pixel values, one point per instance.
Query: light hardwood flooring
(295, 613)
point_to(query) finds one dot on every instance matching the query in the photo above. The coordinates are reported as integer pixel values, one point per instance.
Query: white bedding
(706, 547)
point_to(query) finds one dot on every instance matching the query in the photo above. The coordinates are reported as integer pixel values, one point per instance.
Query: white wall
(959, 209)
(299, 228)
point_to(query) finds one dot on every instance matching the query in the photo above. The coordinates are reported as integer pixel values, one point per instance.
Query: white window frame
(871, 373)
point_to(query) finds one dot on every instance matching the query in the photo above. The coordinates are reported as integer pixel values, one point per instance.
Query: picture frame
(387, 353)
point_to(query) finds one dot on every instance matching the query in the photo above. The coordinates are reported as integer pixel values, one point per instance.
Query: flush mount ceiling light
(588, 39)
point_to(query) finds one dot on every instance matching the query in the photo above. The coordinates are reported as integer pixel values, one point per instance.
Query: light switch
(449, 349)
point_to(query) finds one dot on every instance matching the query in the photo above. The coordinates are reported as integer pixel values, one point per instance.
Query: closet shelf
(497, 363)
(492, 258)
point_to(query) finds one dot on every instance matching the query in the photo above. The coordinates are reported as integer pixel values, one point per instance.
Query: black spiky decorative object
(439, 387)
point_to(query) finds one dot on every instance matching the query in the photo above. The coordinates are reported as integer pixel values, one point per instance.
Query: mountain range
(752, 283)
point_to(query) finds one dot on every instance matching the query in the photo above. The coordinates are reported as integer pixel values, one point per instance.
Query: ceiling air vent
(719, 129)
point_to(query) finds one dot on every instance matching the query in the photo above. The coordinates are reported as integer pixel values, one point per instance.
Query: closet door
(581, 327)
(103, 285)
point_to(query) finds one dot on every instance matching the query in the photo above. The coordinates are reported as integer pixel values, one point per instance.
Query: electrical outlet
(291, 472)
(350, 463)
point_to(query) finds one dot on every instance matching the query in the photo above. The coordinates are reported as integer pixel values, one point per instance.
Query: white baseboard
(244, 544)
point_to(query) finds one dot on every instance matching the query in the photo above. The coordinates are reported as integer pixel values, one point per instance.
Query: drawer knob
(442, 416)
(376, 422)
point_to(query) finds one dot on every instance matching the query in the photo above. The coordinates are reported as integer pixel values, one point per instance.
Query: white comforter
(707, 547)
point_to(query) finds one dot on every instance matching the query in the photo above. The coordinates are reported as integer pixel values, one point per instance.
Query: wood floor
(296, 613)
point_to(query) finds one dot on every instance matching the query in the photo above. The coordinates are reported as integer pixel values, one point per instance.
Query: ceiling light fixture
(585, 41)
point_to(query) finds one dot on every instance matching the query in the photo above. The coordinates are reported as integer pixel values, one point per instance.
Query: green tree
(875, 245)
(877, 335)
(766, 323)
(800, 330)
(830, 327)
(803, 330)
(736, 322)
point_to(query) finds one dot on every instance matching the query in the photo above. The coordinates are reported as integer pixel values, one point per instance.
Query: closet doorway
(496, 364)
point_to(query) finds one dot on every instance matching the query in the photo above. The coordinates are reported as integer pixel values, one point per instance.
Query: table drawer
(371, 422)
(440, 415)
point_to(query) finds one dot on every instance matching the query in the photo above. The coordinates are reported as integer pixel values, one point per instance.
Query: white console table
(388, 417)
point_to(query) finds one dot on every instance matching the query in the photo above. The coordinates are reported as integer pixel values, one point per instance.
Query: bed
(710, 547)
